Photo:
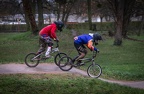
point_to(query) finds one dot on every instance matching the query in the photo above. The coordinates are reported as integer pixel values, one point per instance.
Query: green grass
(14, 46)
(59, 84)
(124, 62)
(121, 63)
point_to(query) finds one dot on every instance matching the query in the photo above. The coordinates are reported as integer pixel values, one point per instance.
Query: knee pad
(50, 44)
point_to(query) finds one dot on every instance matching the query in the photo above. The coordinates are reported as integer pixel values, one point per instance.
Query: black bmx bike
(94, 70)
(32, 59)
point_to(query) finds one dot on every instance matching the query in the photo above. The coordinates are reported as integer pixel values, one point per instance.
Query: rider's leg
(47, 54)
(42, 46)
(50, 44)
(82, 52)
(81, 55)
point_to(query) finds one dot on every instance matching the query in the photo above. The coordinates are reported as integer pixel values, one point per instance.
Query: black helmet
(59, 25)
(96, 37)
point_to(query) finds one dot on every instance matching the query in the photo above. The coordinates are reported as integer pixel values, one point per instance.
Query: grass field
(124, 62)
(59, 84)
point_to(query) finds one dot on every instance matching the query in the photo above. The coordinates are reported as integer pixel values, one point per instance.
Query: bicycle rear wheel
(31, 60)
(65, 63)
(94, 70)
(58, 57)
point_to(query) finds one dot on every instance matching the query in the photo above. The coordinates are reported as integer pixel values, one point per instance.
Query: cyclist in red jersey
(47, 34)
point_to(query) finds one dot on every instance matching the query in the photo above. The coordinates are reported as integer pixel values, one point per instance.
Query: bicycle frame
(94, 70)
(86, 60)
(52, 51)
(32, 59)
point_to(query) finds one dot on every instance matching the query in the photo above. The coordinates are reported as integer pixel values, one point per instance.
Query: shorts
(46, 41)
(80, 48)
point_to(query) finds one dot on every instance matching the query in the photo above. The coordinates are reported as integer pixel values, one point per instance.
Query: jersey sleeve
(53, 33)
(90, 45)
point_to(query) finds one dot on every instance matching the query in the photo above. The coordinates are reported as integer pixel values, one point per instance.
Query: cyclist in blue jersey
(88, 40)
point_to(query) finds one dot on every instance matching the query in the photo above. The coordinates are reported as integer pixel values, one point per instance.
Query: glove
(56, 40)
(98, 50)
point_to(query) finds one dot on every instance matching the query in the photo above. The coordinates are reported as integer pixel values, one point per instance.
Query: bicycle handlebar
(95, 53)
(57, 45)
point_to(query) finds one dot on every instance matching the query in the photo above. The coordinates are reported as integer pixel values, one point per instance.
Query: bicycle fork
(93, 63)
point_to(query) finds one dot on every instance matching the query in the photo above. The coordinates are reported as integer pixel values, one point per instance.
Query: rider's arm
(53, 33)
(75, 38)
(90, 46)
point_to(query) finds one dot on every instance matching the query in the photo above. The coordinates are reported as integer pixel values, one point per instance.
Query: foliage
(105, 26)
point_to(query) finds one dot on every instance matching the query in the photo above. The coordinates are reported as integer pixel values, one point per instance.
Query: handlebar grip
(57, 44)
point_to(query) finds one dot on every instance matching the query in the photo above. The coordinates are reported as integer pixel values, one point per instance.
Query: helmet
(96, 37)
(59, 25)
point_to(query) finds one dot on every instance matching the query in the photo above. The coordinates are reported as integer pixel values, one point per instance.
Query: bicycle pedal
(75, 65)
(80, 64)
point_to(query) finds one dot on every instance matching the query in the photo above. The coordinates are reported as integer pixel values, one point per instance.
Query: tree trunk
(40, 14)
(58, 11)
(101, 23)
(141, 26)
(28, 11)
(68, 11)
(27, 22)
(119, 23)
(122, 10)
(64, 12)
(118, 34)
(89, 14)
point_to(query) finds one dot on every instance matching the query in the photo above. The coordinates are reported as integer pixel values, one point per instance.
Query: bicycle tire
(94, 70)
(29, 62)
(58, 57)
(65, 63)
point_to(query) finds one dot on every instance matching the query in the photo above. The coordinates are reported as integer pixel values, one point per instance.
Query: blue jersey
(83, 39)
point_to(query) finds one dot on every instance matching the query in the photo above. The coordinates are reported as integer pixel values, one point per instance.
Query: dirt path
(52, 68)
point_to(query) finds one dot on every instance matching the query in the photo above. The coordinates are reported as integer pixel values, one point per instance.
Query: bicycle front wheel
(65, 63)
(94, 70)
(58, 57)
(31, 60)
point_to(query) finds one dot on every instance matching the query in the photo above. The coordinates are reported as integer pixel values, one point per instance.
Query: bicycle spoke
(94, 70)
(58, 57)
(31, 60)
(65, 63)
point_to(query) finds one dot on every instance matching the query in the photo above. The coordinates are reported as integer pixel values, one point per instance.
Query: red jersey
(50, 31)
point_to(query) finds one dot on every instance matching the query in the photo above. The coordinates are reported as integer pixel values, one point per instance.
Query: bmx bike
(94, 70)
(33, 59)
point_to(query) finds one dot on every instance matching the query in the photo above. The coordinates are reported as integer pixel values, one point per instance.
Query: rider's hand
(98, 50)
(75, 38)
(56, 40)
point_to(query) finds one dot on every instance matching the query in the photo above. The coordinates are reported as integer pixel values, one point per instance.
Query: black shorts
(80, 48)
(46, 41)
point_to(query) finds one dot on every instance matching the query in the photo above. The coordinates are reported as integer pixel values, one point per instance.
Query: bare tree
(64, 8)
(122, 11)
(40, 14)
(89, 14)
(28, 11)
(9, 8)
(139, 11)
